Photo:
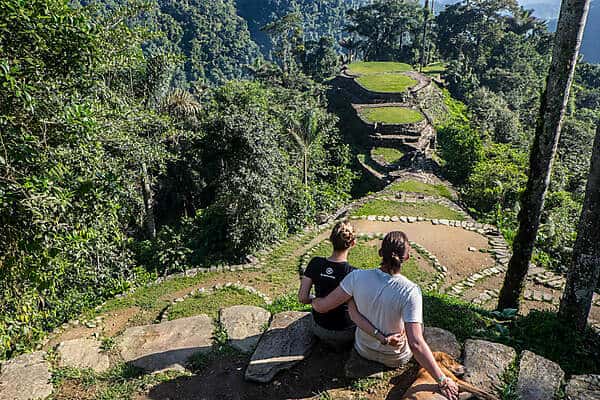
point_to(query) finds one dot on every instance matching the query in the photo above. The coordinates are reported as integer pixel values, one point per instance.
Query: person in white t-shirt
(388, 309)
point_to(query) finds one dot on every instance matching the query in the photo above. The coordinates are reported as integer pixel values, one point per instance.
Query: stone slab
(485, 362)
(244, 325)
(357, 367)
(83, 353)
(583, 387)
(167, 345)
(539, 378)
(442, 340)
(26, 377)
(288, 341)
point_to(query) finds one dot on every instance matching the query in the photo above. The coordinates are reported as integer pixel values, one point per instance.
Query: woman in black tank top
(333, 327)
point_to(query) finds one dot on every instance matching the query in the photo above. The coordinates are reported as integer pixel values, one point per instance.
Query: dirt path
(449, 244)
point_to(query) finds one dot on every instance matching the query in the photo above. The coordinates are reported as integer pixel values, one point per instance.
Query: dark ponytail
(394, 251)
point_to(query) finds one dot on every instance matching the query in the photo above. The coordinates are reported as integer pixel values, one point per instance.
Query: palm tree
(305, 131)
(585, 267)
(567, 41)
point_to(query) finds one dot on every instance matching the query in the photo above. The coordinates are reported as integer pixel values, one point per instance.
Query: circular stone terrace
(385, 77)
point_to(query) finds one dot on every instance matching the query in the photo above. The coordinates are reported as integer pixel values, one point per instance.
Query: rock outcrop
(244, 325)
(441, 340)
(539, 378)
(26, 377)
(83, 353)
(167, 345)
(288, 341)
(583, 387)
(485, 362)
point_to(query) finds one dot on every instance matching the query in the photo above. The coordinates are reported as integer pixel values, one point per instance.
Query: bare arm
(364, 324)
(304, 296)
(331, 301)
(423, 355)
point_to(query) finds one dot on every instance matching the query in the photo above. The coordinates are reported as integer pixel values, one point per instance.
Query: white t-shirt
(387, 301)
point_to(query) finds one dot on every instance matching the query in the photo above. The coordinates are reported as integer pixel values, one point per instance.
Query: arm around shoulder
(333, 300)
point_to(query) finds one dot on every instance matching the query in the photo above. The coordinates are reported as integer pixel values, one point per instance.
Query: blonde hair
(342, 235)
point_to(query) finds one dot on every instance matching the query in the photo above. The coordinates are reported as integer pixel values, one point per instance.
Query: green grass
(390, 207)
(387, 154)
(434, 69)
(392, 115)
(148, 298)
(211, 303)
(421, 187)
(119, 383)
(377, 67)
(365, 256)
(287, 302)
(386, 83)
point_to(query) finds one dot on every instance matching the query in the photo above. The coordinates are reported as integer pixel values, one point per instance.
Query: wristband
(441, 380)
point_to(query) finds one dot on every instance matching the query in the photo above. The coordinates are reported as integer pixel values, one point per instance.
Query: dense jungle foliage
(486, 145)
(138, 138)
(110, 173)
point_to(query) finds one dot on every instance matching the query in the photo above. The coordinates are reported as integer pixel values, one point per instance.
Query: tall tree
(305, 131)
(585, 267)
(571, 23)
(424, 44)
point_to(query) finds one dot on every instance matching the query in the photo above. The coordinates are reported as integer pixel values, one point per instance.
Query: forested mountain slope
(320, 17)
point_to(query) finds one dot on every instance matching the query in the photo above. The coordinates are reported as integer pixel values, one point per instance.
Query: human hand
(449, 389)
(396, 339)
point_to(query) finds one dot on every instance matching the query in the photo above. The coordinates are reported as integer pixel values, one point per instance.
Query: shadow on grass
(543, 333)
(223, 378)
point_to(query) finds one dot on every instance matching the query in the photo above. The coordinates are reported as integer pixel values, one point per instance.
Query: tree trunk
(571, 23)
(306, 167)
(585, 267)
(424, 44)
(149, 223)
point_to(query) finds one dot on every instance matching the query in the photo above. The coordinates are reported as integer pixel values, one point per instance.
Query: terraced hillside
(214, 331)
(396, 108)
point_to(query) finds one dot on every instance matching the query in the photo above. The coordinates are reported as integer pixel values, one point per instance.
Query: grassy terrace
(377, 67)
(420, 187)
(434, 69)
(387, 154)
(211, 303)
(382, 76)
(386, 83)
(390, 207)
(392, 115)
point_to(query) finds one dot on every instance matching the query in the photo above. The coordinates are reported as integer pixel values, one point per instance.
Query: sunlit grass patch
(386, 83)
(210, 303)
(424, 209)
(387, 154)
(421, 187)
(377, 67)
(434, 68)
(392, 115)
